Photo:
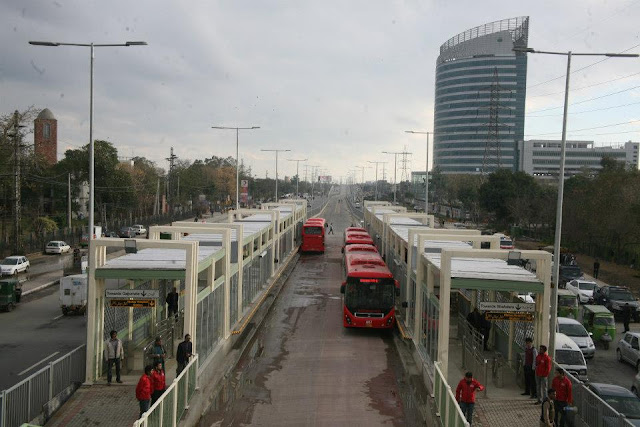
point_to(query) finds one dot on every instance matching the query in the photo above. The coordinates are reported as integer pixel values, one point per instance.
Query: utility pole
(395, 169)
(17, 208)
(376, 163)
(426, 169)
(156, 207)
(69, 200)
(277, 152)
(297, 173)
(171, 159)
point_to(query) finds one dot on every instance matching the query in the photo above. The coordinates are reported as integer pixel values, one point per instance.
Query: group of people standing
(537, 366)
(152, 384)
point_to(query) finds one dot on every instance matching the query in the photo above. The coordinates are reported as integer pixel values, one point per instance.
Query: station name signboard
(507, 306)
(132, 293)
(521, 316)
(135, 303)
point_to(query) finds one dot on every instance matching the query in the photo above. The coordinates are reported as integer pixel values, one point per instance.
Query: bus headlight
(390, 320)
(347, 319)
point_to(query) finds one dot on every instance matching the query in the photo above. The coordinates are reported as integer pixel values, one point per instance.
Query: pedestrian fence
(474, 338)
(446, 404)
(170, 407)
(474, 361)
(26, 400)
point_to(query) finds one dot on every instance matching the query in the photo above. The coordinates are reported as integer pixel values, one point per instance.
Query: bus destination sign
(135, 303)
(509, 315)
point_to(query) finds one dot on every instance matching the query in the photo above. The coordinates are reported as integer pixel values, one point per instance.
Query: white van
(73, 294)
(569, 357)
(578, 334)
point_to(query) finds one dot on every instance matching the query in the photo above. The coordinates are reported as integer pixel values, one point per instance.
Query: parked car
(111, 234)
(13, 265)
(127, 232)
(583, 288)
(629, 349)
(635, 387)
(578, 334)
(615, 298)
(57, 247)
(139, 228)
(619, 398)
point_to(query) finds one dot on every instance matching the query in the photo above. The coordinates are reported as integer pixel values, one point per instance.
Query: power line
(585, 87)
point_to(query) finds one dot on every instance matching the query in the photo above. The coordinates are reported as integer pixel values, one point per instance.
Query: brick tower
(45, 137)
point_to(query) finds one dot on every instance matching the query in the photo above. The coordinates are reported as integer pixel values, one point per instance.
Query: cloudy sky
(335, 81)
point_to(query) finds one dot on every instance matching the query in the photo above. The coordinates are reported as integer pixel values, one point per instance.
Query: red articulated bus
(369, 292)
(358, 248)
(313, 232)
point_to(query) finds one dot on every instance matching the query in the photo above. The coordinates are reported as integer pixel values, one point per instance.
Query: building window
(46, 131)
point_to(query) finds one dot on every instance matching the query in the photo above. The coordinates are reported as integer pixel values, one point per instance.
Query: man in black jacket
(172, 303)
(183, 354)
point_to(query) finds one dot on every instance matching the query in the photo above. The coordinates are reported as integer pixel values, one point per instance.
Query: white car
(139, 229)
(583, 288)
(57, 247)
(13, 265)
(574, 330)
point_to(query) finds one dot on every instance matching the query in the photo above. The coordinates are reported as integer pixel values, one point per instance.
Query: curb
(41, 287)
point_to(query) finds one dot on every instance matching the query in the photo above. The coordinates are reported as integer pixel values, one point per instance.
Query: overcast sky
(334, 81)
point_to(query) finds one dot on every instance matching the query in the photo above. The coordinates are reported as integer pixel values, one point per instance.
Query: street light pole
(276, 151)
(91, 46)
(297, 174)
(558, 231)
(237, 129)
(395, 170)
(426, 169)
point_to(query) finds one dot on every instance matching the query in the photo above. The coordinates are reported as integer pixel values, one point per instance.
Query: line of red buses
(369, 289)
(313, 233)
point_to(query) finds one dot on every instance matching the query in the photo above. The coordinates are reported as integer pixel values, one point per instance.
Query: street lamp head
(622, 55)
(35, 43)
(524, 49)
(255, 127)
(409, 131)
(135, 43)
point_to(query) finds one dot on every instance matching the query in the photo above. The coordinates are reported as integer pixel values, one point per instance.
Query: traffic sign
(509, 315)
(507, 306)
(132, 293)
(135, 303)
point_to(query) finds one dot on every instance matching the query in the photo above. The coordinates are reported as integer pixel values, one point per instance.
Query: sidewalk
(103, 405)
(502, 407)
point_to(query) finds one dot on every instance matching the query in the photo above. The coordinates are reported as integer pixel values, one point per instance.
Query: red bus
(369, 293)
(349, 229)
(313, 232)
(360, 249)
(357, 238)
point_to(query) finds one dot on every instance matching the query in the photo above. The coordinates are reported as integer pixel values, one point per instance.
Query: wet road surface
(305, 368)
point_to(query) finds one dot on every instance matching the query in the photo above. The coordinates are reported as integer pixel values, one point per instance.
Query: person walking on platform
(113, 355)
(159, 382)
(158, 352)
(564, 396)
(529, 365)
(183, 354)
(144, 390)
(172, 303)
(596, 268)
(543, 369)
(466, 395)
(548, 409)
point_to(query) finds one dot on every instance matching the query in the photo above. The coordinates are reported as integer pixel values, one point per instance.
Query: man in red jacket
(144, 390)
(466, 395)
(543, 369)
(564, 395)
(159, 383)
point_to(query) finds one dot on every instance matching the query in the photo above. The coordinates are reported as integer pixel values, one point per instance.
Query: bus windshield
(315, 231)
(369, 296)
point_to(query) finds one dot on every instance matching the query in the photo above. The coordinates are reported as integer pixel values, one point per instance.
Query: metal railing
(170, 407)
(168, 329)
(25, 401)
(591, 410)
(474, 361)
(448, 409)
(474, 338)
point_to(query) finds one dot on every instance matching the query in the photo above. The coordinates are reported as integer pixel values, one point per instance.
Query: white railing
(168, 410)
(448, 409)
(25, 401)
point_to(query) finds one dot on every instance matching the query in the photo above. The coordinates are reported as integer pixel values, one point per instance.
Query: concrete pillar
(445, 304)
(130, 285)
(191, 293)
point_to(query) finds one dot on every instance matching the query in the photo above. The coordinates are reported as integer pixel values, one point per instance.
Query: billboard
(244, 190)
(324, 178)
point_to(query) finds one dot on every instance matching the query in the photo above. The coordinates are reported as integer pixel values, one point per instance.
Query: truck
(73, 294)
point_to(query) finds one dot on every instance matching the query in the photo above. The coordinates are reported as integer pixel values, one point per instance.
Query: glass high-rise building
(480, 98)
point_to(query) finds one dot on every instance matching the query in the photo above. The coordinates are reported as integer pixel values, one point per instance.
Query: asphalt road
(34, 334)
(310, 370)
